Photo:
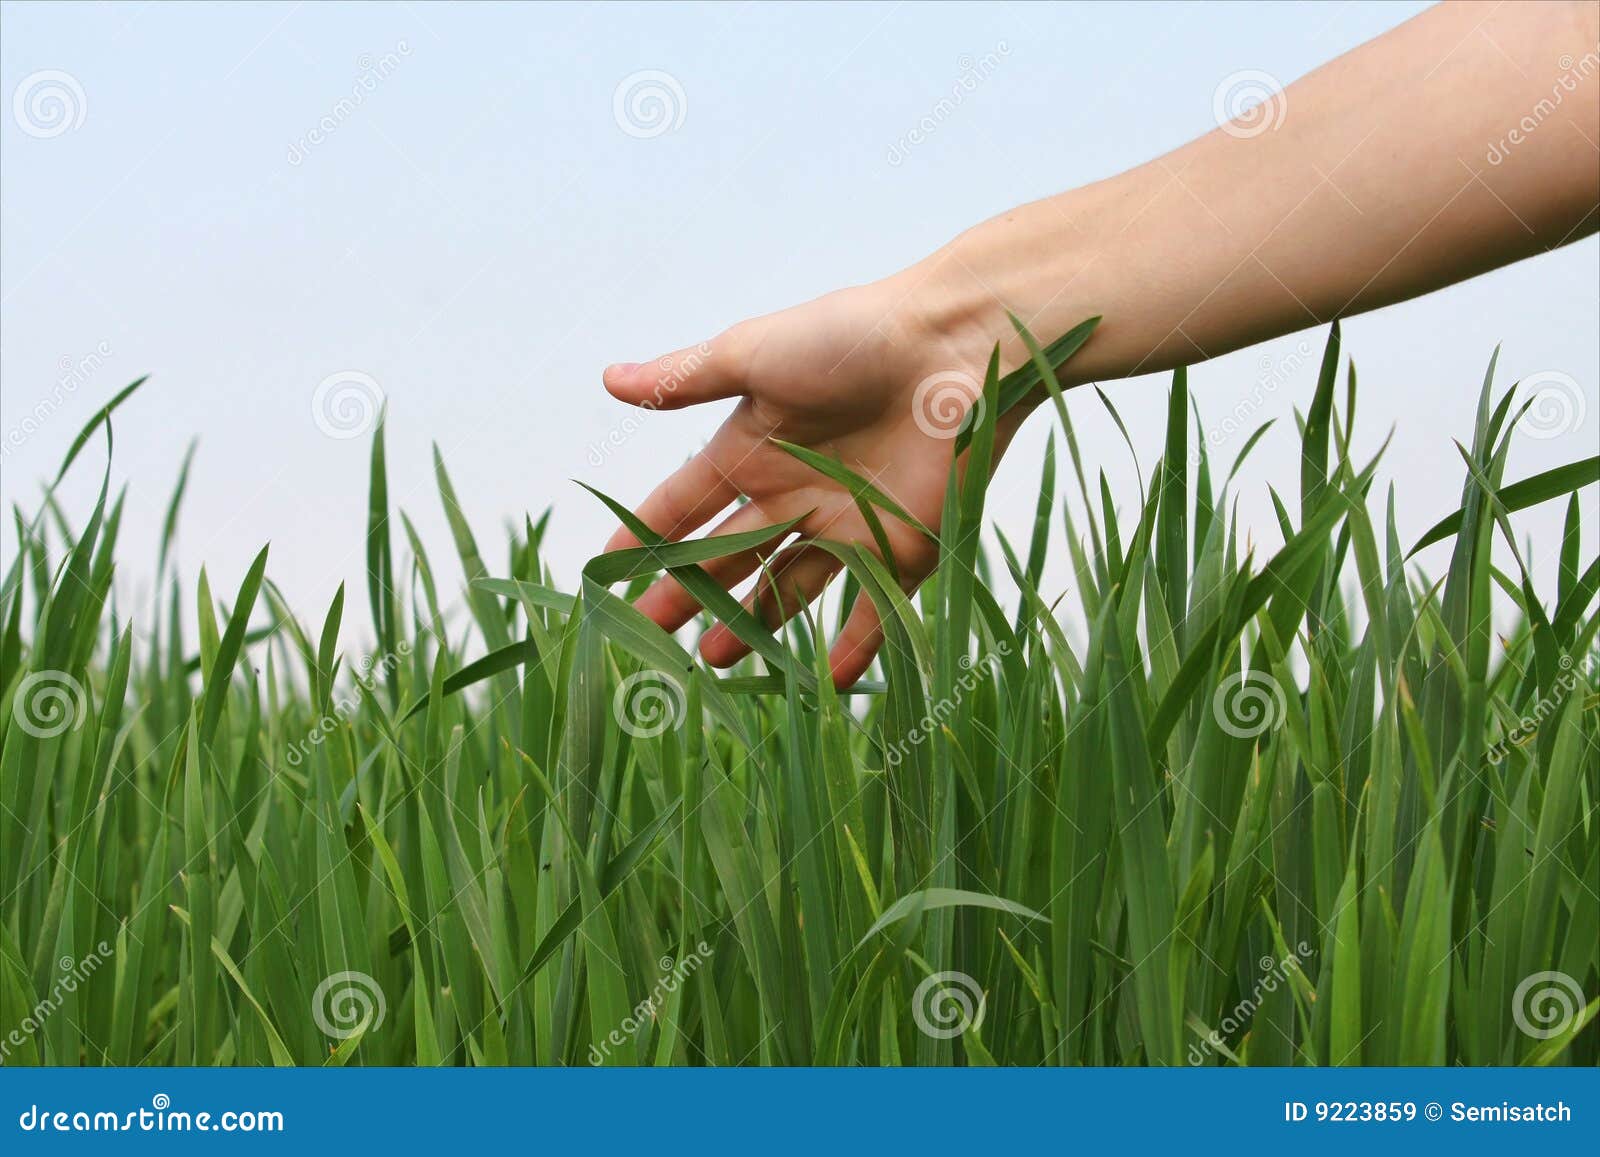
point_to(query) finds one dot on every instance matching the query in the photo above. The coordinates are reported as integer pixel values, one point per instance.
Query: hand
(863, 375)
(1360, 197)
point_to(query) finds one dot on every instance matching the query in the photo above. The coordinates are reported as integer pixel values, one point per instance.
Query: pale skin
(1374, 184)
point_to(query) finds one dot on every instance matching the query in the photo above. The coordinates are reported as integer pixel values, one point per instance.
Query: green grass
(1301, 807)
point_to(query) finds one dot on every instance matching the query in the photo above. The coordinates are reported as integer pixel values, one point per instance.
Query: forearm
(1378, 182)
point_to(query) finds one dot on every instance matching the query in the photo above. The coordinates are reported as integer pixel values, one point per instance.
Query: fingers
(857, 644)
(689, 498)
(670, 606)
(797, 576)
(702, 373)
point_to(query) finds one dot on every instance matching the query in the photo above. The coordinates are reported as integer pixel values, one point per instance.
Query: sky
(283, 212)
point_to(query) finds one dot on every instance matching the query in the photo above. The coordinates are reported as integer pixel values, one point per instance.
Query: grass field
(1293, 807)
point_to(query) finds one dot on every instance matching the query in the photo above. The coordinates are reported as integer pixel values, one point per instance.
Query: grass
(1305, 808)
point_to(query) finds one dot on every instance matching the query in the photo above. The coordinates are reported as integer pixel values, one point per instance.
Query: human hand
(865, 375)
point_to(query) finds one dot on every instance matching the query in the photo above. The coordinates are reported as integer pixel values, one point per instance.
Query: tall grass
(1305, 808)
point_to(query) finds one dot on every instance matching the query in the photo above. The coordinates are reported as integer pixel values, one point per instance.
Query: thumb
(702, 373)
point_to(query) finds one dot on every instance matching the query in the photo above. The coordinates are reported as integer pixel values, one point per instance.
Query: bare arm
(1466, 139)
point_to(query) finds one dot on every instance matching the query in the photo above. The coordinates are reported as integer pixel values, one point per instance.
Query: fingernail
(620, 369)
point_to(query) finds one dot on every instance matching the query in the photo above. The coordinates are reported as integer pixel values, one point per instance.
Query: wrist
(1105, 250)
(1050, 263)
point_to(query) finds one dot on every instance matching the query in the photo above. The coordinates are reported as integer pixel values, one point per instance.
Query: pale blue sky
(479, 236)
